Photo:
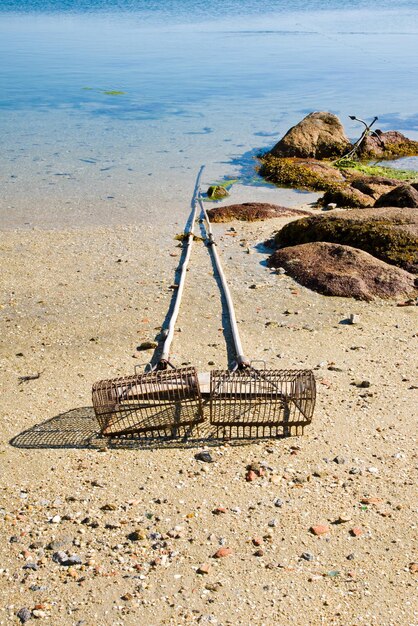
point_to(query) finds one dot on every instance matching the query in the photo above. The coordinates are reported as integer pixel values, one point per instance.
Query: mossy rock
(217, 192)
(388, 145)
(348, 197)
(308, 174)
(389, 234)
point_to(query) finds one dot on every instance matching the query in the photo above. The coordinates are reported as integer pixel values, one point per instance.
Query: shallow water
(108, 108)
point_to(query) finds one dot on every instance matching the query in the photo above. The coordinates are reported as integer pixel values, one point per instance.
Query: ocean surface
(107, 108)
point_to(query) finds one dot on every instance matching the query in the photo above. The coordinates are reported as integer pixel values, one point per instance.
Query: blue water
(198, 81)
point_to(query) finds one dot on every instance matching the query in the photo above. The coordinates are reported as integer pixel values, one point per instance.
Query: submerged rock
(320, 135)
(401, 196)
(336, 270)
(387, 146)
(251, 212)
(390, 234)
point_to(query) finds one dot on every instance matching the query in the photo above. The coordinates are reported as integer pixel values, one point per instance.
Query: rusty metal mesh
(160, 403)
(261, 403)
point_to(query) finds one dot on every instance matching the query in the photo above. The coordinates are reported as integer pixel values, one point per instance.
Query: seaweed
(348, 165)
(379, 237)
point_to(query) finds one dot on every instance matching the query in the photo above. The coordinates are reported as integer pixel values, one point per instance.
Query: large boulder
(319, 135)
(252, 212)
(300, 173)
(401, 196)
(387, 146)
(336, 270)
(390, 234)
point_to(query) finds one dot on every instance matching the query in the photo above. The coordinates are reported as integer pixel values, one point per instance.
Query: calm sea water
(106, 103)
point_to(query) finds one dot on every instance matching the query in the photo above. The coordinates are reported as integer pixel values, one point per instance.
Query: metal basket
(259, 403)
(159, 403)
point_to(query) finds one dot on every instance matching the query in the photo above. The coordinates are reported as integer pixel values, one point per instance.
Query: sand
(75, 303)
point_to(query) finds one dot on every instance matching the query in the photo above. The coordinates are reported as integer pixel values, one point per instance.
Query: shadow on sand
(78, 429)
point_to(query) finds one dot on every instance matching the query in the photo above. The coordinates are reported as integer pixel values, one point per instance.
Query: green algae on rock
(217, 192)
(308, 174)
(389, 234)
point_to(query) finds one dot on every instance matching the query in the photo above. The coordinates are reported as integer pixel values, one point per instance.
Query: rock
(320, 529)
(250, 476)
(251, 212)
(203, 456)
(278, 502)
(344, 518)
(413, 568)
(301, 173)
(273, 523)
(259, 552)
(387, 145)
(38, 613)
(60, 557)
(74, 559)
(257, 541)
(219, 510)
(56, 519)
(347, 196)
(127, 597)
(24, 615)
(337, 270)
(307, 556)
(31, 566)
(319, 135)
(389, 234)
(222, 553)
(354, 318)
(356, 531)
(340, 460)
(204, 569)
(402, 196)
(371, 501)
(217, 192)
(147, 345)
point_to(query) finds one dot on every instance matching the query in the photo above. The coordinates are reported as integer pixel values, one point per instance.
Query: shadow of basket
(79, 429)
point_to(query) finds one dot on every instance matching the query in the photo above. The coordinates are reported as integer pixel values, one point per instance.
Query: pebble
(219, 510)
(272, 523)
(38, 613)
(127, 596)
(222, 552)
(31, 566)
(203, 569)
(354, 318)
(250, 476)
(371, 500)
(259, 552)
(307, 556)
(340, 460)
(56, 519)
(343, 518)
(356, 531)
(257, 541)
(147, 345)
(204, 456)
(413, 568)
(60, 557)
(278, 502)
(373, 470)
(320, 529)
(24, 615)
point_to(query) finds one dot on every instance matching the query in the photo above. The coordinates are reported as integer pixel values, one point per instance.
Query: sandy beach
(142, 523)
